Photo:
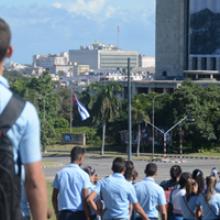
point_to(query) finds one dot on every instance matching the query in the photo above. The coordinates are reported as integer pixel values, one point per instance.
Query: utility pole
(129, 113)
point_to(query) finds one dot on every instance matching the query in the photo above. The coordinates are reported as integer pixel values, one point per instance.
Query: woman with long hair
(209, 202)
(176, 196)
(188, 202)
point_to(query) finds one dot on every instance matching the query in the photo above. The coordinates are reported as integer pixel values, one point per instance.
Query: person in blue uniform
(150, 195)
(117, 193)
(70, 189)
(24, 136)
(209, 202)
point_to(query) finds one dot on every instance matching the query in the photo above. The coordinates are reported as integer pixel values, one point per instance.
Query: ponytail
(210, 182)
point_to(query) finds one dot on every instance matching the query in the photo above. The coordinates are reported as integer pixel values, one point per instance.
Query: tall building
(187, 39)
(100, 56)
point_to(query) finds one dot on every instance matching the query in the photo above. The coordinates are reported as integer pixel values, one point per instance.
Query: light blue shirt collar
(73, 165)
(149, 179)
(117, 175)
(4, 81)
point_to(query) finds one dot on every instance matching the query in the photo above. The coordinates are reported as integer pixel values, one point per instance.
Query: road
(103, 165)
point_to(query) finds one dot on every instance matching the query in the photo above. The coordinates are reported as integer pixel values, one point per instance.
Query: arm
(140, 211)
(85, 205)
(54, 200)
(36, 190)
(91, 202)
(198, 212)
(163, 211)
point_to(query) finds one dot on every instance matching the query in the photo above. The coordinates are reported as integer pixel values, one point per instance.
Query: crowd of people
(79, 193)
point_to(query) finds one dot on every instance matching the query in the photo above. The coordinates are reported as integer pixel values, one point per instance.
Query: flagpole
(129, 114)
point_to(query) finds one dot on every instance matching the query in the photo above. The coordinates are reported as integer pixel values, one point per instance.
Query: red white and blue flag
(83, 112)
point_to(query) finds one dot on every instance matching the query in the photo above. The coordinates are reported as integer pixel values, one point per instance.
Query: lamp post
(129, 113)
(165, 135)
(166, 132)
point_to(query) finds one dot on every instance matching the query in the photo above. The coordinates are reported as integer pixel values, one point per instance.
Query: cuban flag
(84, 114)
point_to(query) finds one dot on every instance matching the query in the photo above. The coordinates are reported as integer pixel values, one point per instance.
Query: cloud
(86, 8)
(57, 5)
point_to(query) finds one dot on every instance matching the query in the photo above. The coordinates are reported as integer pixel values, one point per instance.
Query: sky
(54, 26)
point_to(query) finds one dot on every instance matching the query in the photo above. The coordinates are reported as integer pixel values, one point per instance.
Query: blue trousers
(69, 215)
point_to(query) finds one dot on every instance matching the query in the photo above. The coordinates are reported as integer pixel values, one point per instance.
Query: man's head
(118, 165)
(175, 172)
(5, 40)
(77, 155)
(151, 169)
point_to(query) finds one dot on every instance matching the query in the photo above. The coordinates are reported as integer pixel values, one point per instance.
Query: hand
(49, 213)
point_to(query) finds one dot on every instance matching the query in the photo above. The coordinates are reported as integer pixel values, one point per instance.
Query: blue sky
(53, 26)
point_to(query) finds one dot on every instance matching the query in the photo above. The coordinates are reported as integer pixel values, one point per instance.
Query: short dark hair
(129, 167)
(151, 169)
(175, 172)
(118, 165)
(76, 152)
(5, 38)
(183, 179)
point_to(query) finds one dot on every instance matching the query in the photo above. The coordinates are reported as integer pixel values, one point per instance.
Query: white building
(53, 62)
(100, 56)
(147, 61)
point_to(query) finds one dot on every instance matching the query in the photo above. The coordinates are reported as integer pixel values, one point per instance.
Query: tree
(105, 105)
(139, 115)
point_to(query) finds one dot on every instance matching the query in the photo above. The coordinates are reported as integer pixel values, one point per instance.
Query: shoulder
(29, 112)
(139, 184)
(217, 196)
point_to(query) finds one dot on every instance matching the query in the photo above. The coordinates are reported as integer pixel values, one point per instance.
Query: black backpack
(10, 181)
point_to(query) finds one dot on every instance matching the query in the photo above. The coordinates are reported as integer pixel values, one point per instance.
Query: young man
(117, 194)
(150, 195)
(24, 136)
(71, 189)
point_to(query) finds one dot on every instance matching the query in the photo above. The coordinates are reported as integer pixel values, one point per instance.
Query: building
(101, 56)
(147, 61)
(188, 39)
(55, 63)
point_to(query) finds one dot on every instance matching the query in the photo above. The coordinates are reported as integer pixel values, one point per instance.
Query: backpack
(10, 180)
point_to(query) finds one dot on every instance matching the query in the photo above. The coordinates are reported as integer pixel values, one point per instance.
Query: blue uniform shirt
(70, 182)
(150, 195)
(188, 207)
(117, 193)
(210, 210)
(25, 133)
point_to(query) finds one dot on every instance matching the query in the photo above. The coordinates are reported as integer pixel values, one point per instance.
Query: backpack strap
(11, 113)
(187, 206)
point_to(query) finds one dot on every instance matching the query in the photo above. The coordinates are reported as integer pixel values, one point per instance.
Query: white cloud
(87, 8)
(57, 5)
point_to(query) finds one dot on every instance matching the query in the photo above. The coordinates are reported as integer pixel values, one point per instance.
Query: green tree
(105, 104)
(139, 115)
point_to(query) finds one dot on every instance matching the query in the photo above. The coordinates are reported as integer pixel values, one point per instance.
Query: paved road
(103, 165)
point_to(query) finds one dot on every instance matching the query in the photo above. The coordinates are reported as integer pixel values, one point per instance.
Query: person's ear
(9, 52)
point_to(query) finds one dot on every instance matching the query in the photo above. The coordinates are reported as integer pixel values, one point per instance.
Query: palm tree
(139, 115)
(106, 105)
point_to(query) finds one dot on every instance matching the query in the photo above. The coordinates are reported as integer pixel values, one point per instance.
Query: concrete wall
(84, 57)
(170, 38)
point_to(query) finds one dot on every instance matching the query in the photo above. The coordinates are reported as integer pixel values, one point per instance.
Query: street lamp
(129, 112)
(169, 130)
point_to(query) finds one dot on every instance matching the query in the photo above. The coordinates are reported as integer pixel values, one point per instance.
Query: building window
(213, 63)
(204, 63)
(164, 73)
(194, 63)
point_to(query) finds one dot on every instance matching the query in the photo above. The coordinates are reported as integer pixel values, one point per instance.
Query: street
(103, 165)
